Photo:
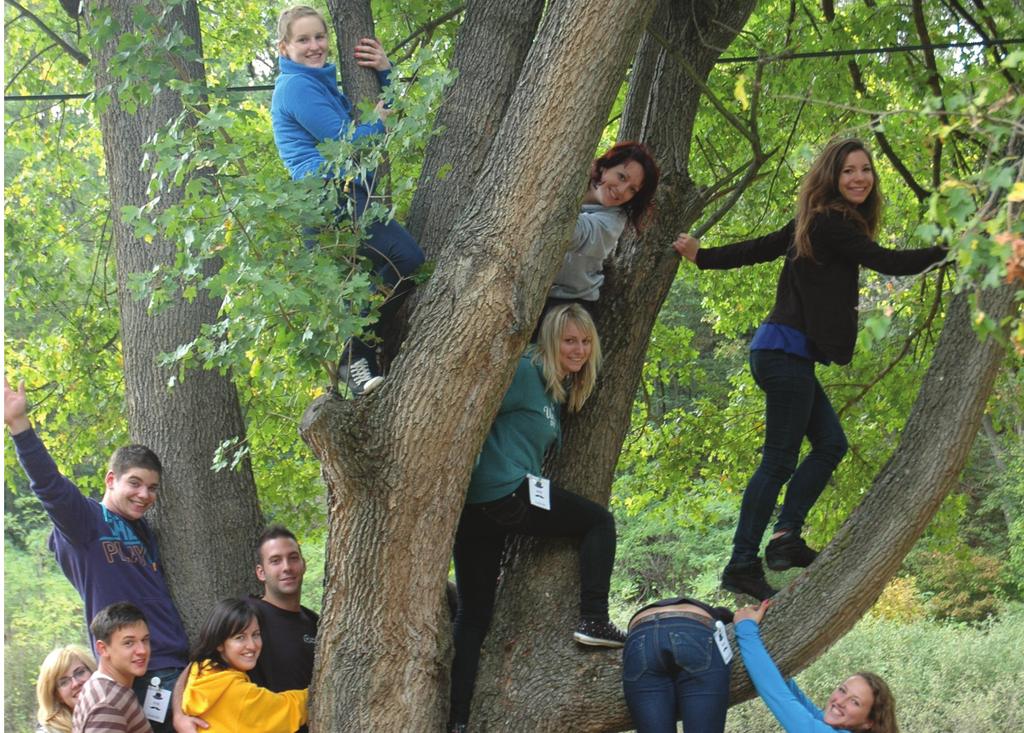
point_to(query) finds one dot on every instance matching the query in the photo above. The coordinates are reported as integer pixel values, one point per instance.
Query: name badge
(157, 701)
(722, 640)
(540, 491)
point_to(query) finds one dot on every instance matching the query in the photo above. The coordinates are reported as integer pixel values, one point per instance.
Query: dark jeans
(392, 251)
(672, 670)
(168, 676)
(795, 406)
(479, 544)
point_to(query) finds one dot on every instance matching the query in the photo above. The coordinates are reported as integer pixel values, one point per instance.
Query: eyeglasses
(79, 674)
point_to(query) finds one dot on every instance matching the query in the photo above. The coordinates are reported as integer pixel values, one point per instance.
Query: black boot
(789, 551)
(747, 577)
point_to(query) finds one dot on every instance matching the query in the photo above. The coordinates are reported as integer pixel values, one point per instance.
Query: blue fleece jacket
(105, 556)
(307, 109)
(790, 706)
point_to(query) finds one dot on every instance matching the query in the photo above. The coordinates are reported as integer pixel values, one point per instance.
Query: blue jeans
(392, 251)
(672, 670)
(479, 545)
(795, 406)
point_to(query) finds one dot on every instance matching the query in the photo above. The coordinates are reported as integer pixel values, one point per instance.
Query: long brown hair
(819, 192)
(883, 710)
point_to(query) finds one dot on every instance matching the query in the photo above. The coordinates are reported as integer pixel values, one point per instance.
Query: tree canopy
(487, 159)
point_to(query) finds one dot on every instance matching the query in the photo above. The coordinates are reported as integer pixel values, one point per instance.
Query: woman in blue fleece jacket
(862, 702)
(307, 109)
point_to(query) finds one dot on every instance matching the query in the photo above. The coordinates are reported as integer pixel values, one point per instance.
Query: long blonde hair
(546, 353)
(53, 713)
(819, 192)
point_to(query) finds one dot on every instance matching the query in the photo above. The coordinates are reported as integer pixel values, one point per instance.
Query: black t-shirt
(289, 640)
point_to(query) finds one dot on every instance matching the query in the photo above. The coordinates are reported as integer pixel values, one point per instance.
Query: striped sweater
(104, 706)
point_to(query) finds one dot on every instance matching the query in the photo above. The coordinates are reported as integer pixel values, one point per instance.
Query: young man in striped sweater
(107, 702)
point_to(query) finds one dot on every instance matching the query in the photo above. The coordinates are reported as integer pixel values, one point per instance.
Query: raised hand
(16, 408)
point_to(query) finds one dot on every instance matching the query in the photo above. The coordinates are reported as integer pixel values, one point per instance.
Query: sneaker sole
(595, 641)
(369, 385)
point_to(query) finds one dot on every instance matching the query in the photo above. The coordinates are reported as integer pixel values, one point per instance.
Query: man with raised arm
(105, 548)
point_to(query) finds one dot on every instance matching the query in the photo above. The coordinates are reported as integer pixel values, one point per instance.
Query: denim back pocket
(692, 648)
(507, 511)
(634, 657)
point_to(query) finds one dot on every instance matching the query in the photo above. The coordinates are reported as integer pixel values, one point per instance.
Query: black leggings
(479, 544)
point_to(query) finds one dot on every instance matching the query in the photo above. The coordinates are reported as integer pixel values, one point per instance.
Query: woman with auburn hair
(307, 109)
(61, 676)
(861, 702)
(218, 688)
(621, 190)
(814, 319)
(508, 496)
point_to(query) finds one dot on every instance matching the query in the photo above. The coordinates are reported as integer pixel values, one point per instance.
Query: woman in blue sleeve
(507, 495)
(814, 319)
(307, 109)
(863, 702)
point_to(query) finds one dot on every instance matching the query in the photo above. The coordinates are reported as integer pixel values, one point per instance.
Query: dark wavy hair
(638, 207)
(227, 618)
(819, 192)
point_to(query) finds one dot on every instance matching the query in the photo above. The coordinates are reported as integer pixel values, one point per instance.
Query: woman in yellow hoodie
(218, 689)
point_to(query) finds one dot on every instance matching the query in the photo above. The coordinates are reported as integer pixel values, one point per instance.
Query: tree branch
(426, 29)
(77, 55)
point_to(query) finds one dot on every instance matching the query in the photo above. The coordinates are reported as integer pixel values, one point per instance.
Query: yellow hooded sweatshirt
(231, 703)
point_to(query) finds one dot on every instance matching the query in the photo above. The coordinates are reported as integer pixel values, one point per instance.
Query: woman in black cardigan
(814, 319)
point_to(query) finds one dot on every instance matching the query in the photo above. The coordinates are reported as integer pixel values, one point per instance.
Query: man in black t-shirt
(288, 627)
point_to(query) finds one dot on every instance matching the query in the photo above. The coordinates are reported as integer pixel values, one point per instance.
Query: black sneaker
(591, 632)
(361, 377)
(457, 728)
(788, 551)
(748, 578)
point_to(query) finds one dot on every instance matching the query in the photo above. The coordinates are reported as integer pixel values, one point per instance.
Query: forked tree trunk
(206, 521)
(529, 650)
(398, 461)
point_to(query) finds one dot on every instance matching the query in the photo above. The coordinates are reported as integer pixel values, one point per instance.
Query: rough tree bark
(531, 655)
(489, 54)
(397, 462)
(352, 20)
(206, 521)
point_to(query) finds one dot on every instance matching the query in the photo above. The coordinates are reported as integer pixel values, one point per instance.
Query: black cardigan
(819, 296)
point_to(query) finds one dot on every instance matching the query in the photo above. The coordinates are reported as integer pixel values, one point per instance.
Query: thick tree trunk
(352, 20)
(529, 651)
(489, 54)
(206, 521)
(397, 462)
(827, 599)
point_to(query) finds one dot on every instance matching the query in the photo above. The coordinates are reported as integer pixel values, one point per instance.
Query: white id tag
(722, 640)
(157, 701)
(540, 491)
